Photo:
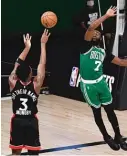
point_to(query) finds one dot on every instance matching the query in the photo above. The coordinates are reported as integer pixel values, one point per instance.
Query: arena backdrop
(19, 17)
(24, 16)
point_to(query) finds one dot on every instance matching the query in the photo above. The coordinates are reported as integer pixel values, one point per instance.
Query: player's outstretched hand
(27, 40)
(111, 12)
(45, 36)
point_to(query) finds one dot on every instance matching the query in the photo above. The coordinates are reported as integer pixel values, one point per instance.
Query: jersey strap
(92, 81)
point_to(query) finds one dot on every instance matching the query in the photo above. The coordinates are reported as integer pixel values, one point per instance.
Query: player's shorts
(24, 133)
(96, 94)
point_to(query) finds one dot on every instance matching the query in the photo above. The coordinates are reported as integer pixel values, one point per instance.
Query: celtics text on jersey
(91, 63)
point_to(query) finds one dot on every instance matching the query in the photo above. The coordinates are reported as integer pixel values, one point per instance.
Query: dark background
(24, 16)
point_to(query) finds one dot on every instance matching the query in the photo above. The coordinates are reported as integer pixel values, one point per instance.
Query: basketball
(49, 19)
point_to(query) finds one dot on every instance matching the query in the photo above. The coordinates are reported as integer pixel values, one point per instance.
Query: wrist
(27, 47)
(42, 43)
(20, 61)
(106, 16)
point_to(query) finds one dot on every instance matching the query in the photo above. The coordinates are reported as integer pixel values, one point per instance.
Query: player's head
(97, 37)
(24, 72)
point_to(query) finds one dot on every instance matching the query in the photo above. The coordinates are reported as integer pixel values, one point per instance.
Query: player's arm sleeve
(13, 73)
(110, 57)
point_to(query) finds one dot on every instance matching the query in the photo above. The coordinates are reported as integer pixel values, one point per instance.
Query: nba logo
(74, 75)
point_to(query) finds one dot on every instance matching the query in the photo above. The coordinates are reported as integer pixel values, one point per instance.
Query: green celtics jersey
(91, 63)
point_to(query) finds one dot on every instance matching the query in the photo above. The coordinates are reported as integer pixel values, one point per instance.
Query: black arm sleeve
(109, 57)
(20, 61)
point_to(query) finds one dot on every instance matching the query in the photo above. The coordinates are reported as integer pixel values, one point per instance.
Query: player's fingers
(110, 7)
(45, 31)
(114, 8)
(115, 11)
(24, 38)
(49, 34)
(27, 36)
(30, 38)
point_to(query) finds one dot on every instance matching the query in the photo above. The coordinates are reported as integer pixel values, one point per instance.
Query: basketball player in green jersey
(94, 87)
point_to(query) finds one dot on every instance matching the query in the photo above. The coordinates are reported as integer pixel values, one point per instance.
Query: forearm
(43, 54)
(120, 62)
(15, 67)
(24, 53)
(41, 71)
(97, 23)
(123, 63)
(41, 66)
(21, 59)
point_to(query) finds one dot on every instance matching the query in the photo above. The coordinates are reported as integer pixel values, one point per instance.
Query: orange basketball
(49, 19)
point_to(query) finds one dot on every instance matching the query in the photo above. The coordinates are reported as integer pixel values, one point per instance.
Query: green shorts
(96, 94)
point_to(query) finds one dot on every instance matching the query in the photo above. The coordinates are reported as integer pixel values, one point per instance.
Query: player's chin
(95, 39)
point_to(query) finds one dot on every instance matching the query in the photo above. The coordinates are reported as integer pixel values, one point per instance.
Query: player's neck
(26, 82)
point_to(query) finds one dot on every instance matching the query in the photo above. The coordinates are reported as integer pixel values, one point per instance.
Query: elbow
(42, 76)
(90, 28)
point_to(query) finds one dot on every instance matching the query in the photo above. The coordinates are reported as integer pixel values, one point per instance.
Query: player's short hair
(23, 72)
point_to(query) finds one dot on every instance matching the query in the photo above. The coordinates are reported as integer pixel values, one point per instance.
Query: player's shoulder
(109, 56)
(102, 50)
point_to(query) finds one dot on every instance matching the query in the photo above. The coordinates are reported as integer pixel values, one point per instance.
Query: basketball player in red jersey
(24, 132)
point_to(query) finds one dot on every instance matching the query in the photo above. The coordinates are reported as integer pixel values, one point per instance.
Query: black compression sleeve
(110, 57)
(20, 61)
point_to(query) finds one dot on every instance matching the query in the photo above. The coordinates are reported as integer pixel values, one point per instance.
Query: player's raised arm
(111, 12)
(41, 67)
(21, 58)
